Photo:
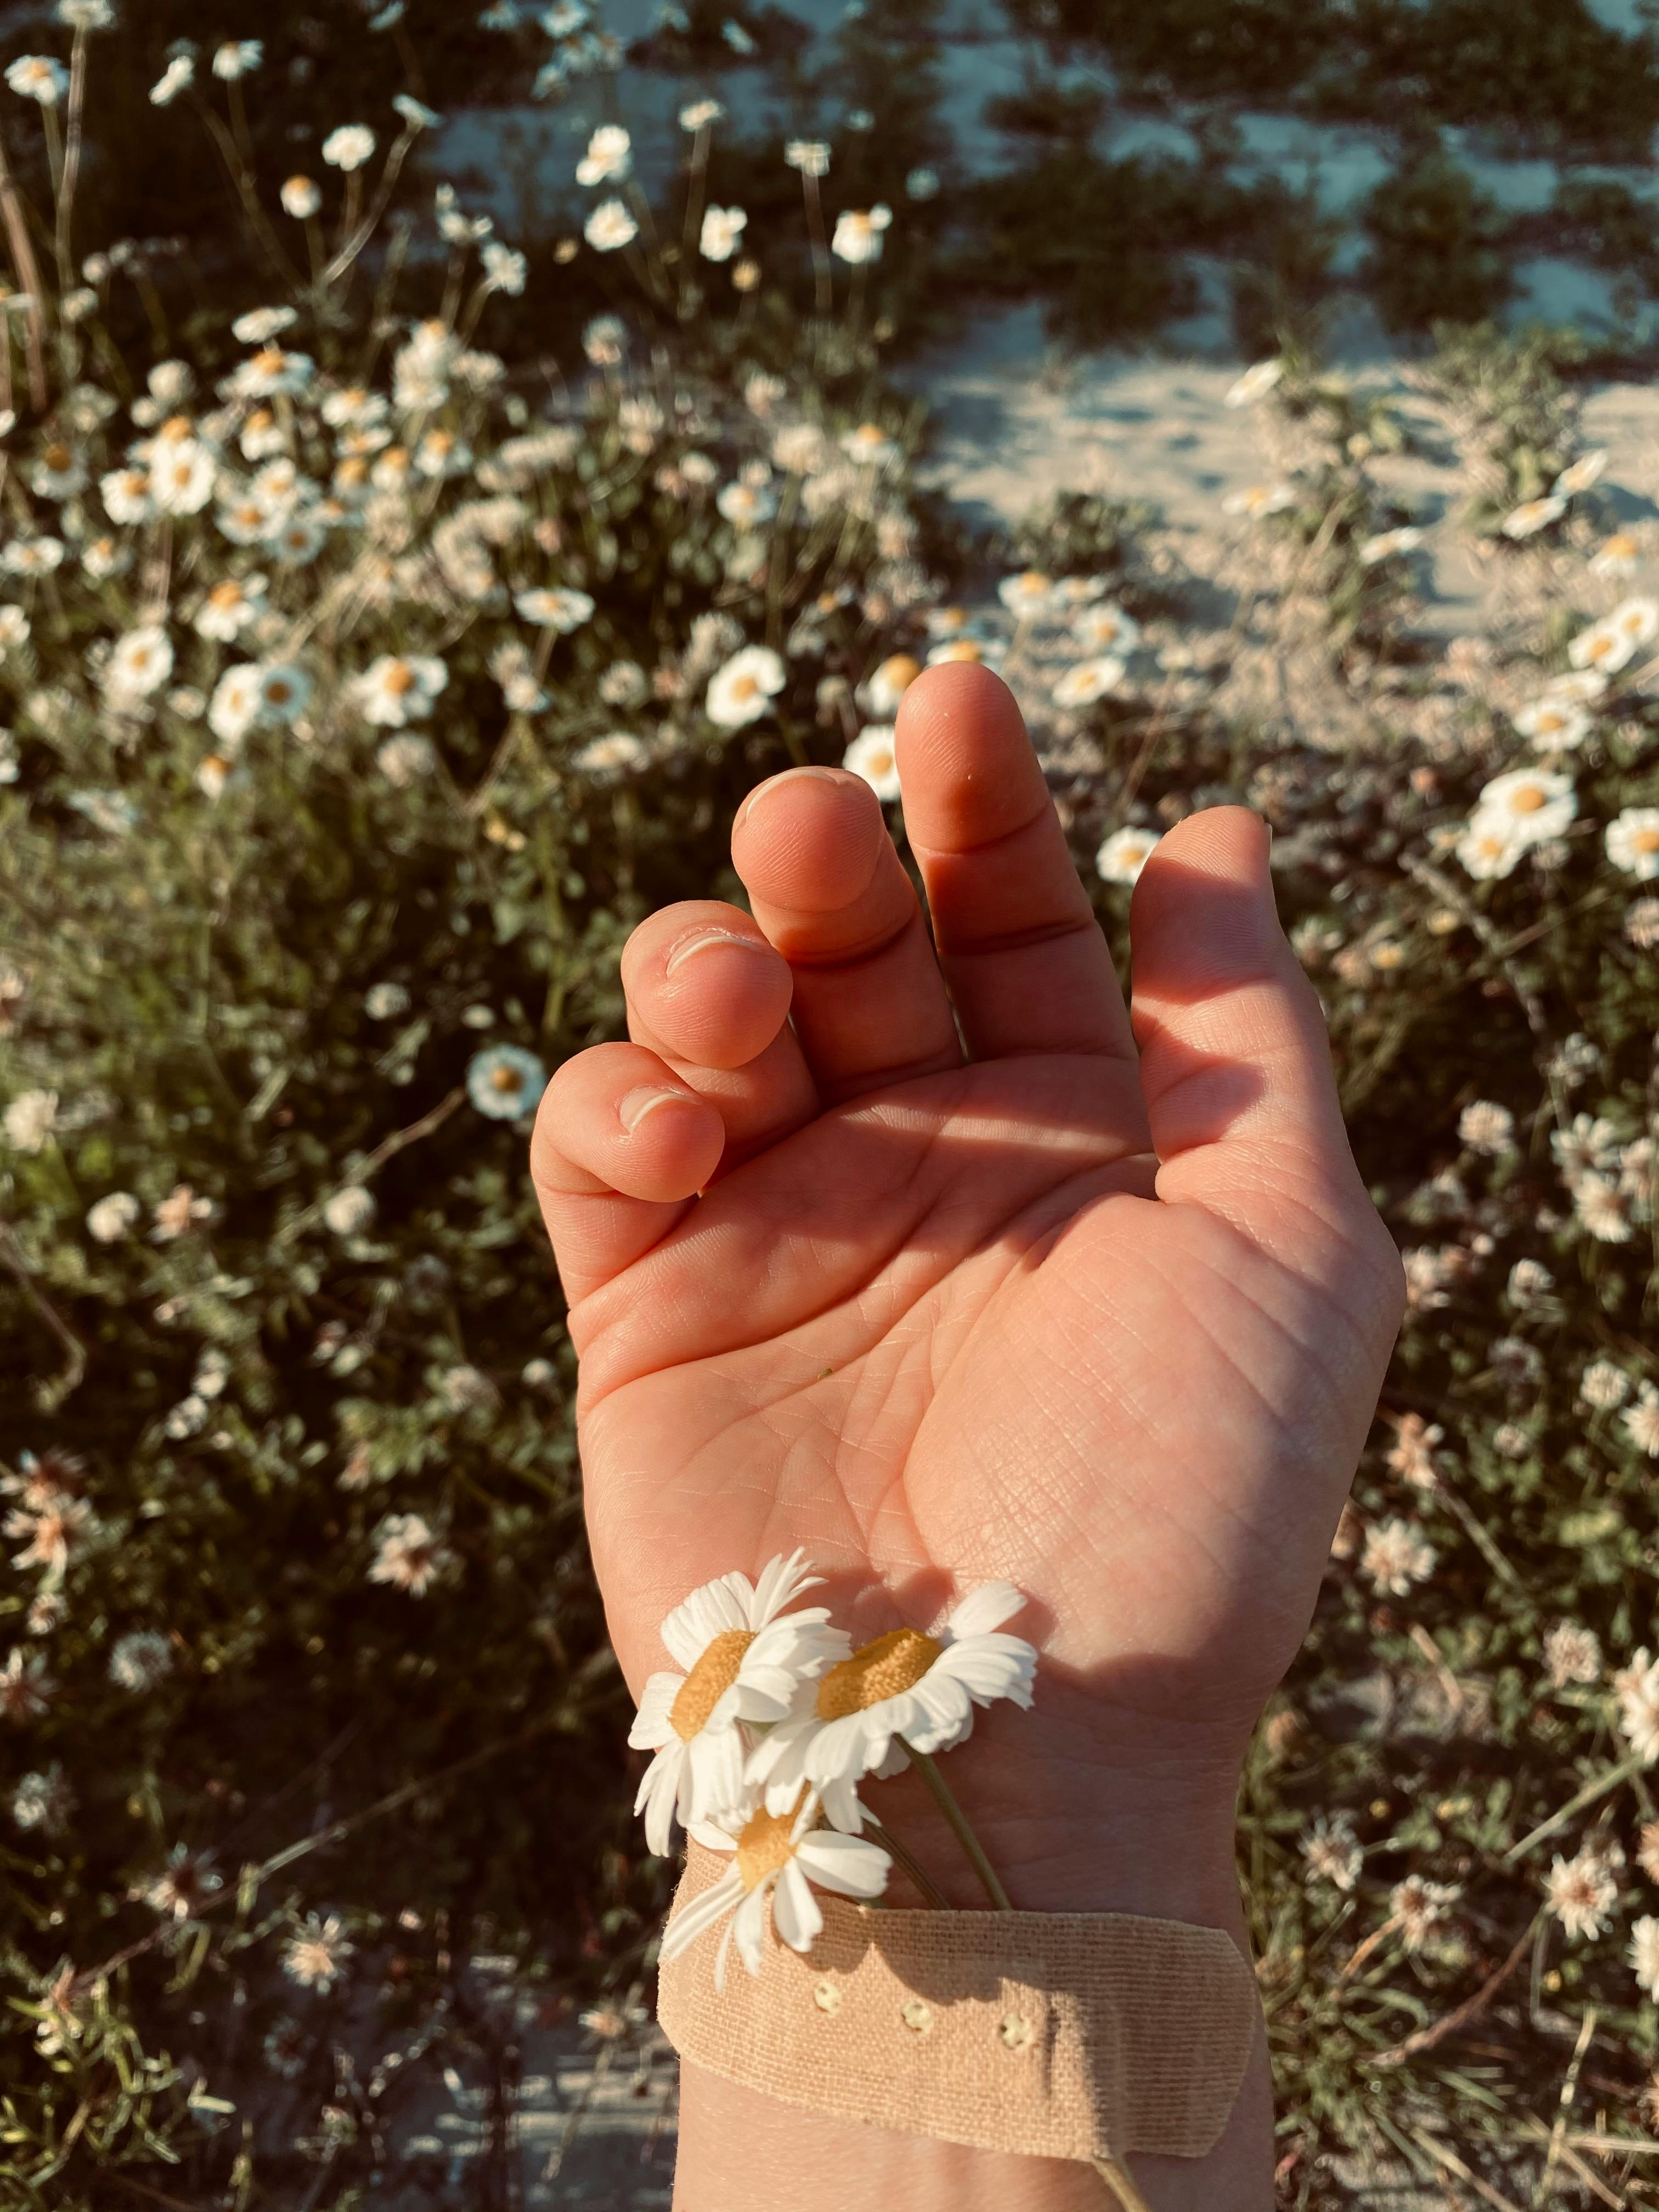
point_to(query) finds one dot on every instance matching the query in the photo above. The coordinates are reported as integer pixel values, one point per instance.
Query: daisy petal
(982, 1610)
(782, 1580)
(749, 1928)
(849, 1864)
(990, 1667)
(659, 1792)
(698, 1619)
(652, 1727)
(795, 1912)
(715, 1760)
(684, 1929)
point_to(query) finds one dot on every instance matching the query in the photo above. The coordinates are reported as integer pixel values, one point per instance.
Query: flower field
(392, 612)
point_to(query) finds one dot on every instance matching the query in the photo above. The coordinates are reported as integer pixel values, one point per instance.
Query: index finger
(1025, 958)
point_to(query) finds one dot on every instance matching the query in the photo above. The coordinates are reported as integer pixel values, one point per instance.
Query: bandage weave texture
(1060, 2035)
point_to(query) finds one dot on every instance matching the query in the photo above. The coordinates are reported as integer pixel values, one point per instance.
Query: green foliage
(1437, 248)
(1549, 71)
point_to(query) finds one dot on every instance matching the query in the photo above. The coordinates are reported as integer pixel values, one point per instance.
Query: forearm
(1081, 1834)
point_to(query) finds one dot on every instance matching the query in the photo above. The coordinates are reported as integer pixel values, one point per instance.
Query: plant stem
(1116, 2178)
(904, 1857)
(964, 1835)
(1587, 1795)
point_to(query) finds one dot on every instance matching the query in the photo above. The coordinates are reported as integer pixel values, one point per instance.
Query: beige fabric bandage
(1060, 2035)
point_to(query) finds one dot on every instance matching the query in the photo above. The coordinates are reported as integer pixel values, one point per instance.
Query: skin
(899, 1237)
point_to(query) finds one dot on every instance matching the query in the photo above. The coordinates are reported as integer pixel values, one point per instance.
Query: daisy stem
(953, 1813)
(904, 1857)
(1116, 2177)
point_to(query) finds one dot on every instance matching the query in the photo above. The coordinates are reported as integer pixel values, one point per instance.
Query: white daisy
(775, 1857)
(1617, 556)
(38, 77)
(744, 1659)
(348, 146)
(872, 755)
(606, 759)
(230, 607)
(1397, 1555)
(1106, 629)
(555, 608)
(889, 683)
(1027, 596)
(859, 233)
(1636, 1687)
(1255, 384)
(400, 687)
(283, 691)
(140, 664)
(1387, 543)
(1632, 840)
(869, 445)
(1532, 516)
(1124, 854)
(1581, 474)
(1611, 644)
(903, 1689)
(1086, 681)
(182, 473)
(610, 227)
(1645, 1953)
(1554, 725)
(1538, 802)
(1581, 1892)
(742, 689)
(1577, 685)
(408, 1553)
(1257, 500)
(608, 157)
(722, 233)
(746, 506)
(1490, 847)
(234, 707)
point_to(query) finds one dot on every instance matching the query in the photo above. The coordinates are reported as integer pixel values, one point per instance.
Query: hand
(931, 1258)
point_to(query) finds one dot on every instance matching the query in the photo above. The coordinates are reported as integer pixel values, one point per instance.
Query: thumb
(1235, 1063)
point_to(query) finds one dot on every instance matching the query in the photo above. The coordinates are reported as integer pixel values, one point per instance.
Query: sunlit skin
(894, 1233)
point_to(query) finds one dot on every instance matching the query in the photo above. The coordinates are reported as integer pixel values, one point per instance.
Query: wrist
(1082, 1809)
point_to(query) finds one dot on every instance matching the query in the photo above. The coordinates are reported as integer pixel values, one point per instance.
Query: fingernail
(634, 1105)
(789, 776)
(701, 940)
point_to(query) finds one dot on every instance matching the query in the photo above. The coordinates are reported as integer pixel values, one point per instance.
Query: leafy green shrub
(1437, 248)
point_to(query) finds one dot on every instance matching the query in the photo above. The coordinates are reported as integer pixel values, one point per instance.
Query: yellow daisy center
(509, 1079)
(899, 672)
(1646, 840)
(227, 594)
(766, 1845)
(399, 678)
(702, 1690)
(1527, 800)
(886, 1669)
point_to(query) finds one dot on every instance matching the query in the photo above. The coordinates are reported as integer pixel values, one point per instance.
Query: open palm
(917, 1252)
